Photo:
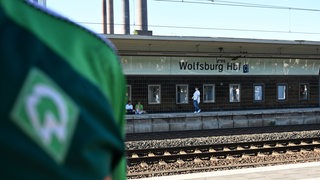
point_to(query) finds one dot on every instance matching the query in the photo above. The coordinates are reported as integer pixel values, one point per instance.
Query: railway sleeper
(151, 161)
(197, 160)
(204, 149)
(162, 163)
(205, 158)
(187, 159)
(295, 150)
(159, 153)
(307, 149)
(170, 160)
(151, 154)
(221, 157)
(296, 142)
(236, 155)
(230, 157)
(174, 151)
(218, 149)
(245, 146)
(189, 150)
(134, 155)
(276, 153)
(246, 156)
(316, 141)
(257, 146)
(270, 145)
(281, 145)
(179, 161)
(232, 147)
(292, 144)
(252, 154)
(280, 151)
(143, 164)
(305, 143)
(182, 152)
(263, 154)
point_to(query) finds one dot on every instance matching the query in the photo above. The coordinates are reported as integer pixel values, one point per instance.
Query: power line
(211, 28)
(239, 4)
(234, 29)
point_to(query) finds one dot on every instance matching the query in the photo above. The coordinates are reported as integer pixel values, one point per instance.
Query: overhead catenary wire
(240, 4)
(212, 28)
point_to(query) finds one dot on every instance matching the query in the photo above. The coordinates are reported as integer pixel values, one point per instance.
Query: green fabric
(140, 107)
(86, 70)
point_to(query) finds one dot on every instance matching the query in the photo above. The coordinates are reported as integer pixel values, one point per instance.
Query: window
(154, 94)
(258, 90)
(234, 91)
(282, 92)
(128, 93)
(208, 93)
(182, 94)
(304, 92)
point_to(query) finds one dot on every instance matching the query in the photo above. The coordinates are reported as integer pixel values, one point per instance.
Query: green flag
(62, 98)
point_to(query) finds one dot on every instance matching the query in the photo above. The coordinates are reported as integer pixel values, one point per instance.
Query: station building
(231, 74)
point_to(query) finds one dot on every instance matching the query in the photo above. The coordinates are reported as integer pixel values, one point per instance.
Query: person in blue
(196, 100)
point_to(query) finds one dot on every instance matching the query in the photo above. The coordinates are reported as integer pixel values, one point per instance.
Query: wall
(139, 91)
(148, 123)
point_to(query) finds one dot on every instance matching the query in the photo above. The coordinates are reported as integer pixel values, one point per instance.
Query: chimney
(104, 16)
(110, 19)
(142, 18)
(126, 17)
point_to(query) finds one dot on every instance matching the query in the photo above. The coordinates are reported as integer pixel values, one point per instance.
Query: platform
(301, 171)
(166, 122)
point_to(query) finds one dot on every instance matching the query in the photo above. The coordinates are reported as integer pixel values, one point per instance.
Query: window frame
(213, 93)
(231, 95)
(187, 96)
(149, 95)
(129, 97)
(308, 92)
(262, 92)
(285, 91)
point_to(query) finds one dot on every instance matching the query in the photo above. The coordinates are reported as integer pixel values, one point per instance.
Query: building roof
(214, 47)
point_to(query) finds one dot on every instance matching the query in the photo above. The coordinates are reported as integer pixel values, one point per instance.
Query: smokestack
(142, 18)
(126, 17)
(104, 16)
(110, 22)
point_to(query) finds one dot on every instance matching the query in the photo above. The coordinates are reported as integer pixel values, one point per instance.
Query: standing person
(62, 98)
(196, 100)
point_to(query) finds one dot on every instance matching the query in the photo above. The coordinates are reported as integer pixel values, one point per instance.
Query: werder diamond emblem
(46, 114)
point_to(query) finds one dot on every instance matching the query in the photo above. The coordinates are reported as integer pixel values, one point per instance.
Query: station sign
(157, 65)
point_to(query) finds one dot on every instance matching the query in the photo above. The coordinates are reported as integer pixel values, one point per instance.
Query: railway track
(219, 151)
(215, 168)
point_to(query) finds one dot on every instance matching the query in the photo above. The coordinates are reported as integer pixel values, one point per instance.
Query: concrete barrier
(147, 123)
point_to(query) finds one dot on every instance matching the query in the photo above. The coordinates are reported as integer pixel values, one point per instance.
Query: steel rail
(219, 151)
(217, 168)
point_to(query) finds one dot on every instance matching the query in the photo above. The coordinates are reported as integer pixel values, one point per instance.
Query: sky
(278, 20)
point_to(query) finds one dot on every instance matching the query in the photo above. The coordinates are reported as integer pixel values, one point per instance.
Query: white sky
(208, 20)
